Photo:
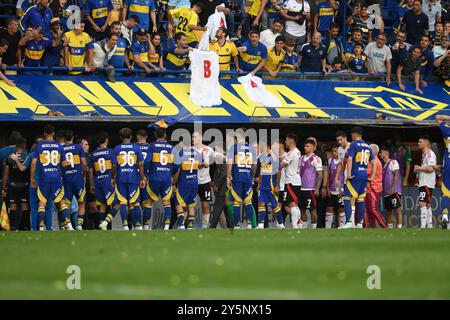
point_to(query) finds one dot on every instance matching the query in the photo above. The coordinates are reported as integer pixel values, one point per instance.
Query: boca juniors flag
(4, 219)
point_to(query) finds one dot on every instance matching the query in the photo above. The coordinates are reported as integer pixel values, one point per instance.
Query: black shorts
(393, 201)
(282, 198)
(308, 200)
(204, 192)
(334, 201)
(293, 193)
(425, 194)
(18, 194)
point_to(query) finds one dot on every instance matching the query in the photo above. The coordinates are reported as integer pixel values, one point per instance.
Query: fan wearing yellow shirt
(78, 49)
(226, 50)
(275, 57)
(187, 21)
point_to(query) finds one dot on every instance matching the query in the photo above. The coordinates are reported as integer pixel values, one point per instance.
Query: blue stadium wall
(144, 98)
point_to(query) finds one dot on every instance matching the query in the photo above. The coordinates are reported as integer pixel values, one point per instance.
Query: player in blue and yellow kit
(100, 175)
(158, 169)
(444, 125)
(128, 176)
(240, 161)
(359, 155)
(268, 185)
(74, 168)
(187, 162)
(48, 160)
(141, 141)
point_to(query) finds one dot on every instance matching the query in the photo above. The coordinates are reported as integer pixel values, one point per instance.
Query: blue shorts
(186, 196)
(127, 193)
(268, 197)
(158, 189)
(445, 187)
(75, 188)
(242, 192)
(104, 194)
(50, 190)
(356, 188)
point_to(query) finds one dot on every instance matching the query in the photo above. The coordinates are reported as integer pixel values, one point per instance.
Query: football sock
(261, 214)
(328, 219)
(230, 211)
(341, 218)
(390, 225)
(190, 222)
(131, 216)
(138, 215)
(295, 216)
(249, 211)
(124, 214)
(147, 213)
(348, 210)
(180, 218)
(167, 213)
(101, 216)
(80, 219)
(205, 220)
(429, 218)
(236, 213)
(279, 215)
(361, 211)
(423, 217)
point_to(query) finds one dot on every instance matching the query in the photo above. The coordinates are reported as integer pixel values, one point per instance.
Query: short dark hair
(135, 18)
(341, 134)
(357, 130)
(14, 137)
(142, 133)
(125, 133)
(49, 129)
(278, 21)
(9, 20)
(438, 22)
(68, 135)
(4, 42)
(337, 60)
(280, 38)
(356, 30)
(334, 25)
(385, 148)
(154, 34)
(115, 23)
(426, 36)
(225, 30)
(178, 36)
(199, 4)
(292, 136)
(310, 141)
(160, 133)
(59, 134)
(425, 137)
(358, 44)
(112, 34)
(254, 31)
(102, 136)
(21, 143)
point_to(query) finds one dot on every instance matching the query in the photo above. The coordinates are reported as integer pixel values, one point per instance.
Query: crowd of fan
(269, 36)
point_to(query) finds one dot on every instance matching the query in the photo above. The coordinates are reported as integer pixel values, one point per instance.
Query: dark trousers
(219, 206)
(321, 208)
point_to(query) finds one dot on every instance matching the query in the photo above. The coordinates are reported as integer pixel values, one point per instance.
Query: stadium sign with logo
(141, 99)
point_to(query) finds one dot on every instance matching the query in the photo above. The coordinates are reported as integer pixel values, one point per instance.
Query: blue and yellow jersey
(142, 9)
(159, 161)
(188, 161)
(144, 149)
(77, 45)
(225, 53)
(326, 15)
(249, 60)
(269, 166)
(155, 57)
(274, 59)
(71, 162)
(34, 50)
(98, 10)
(445, 130)
(185, 17)
(118, 58)
(357, 65)
(49, 161)
(243, 157)
(139, 49)
(361, 154)
(289, 60)
(175, 61)
(126, 156)
(101, 162)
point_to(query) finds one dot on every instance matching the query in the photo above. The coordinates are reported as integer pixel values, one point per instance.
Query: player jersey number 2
(127, 158)
(51, 157)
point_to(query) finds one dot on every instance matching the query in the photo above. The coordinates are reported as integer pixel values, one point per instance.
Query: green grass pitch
(224, 264)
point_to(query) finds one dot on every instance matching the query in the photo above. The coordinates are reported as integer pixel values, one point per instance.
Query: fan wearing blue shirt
(253, 54)
(324, 17)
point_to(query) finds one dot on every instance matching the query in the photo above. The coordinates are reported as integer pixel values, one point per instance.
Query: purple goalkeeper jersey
(309, 166)
(388, 177)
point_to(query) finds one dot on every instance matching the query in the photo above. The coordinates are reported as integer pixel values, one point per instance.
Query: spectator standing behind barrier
(356, 38)
(439, 50)
(333, 43)
(103, 52)
(363, 22)
(3, 48)
(267, 37)
(156, 53)
(98, 14)
(297, 14)
(313, 56)
(177, 52)
(324, 17)
(52, 56)
(437, 35)
(399, 49)
(253, 54)
(37, 16)
(275, 57)
(187, 22)
(426, 61)
(433, 10)
(226, 50)
(120, 57)
(78, 49)
(415, 23)
(443, 68)
(374, 192)
(409, 66)
(127, 27)
(11, 34)
(143, 9)
(139, 51)
(379, 57)
(291, 59)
